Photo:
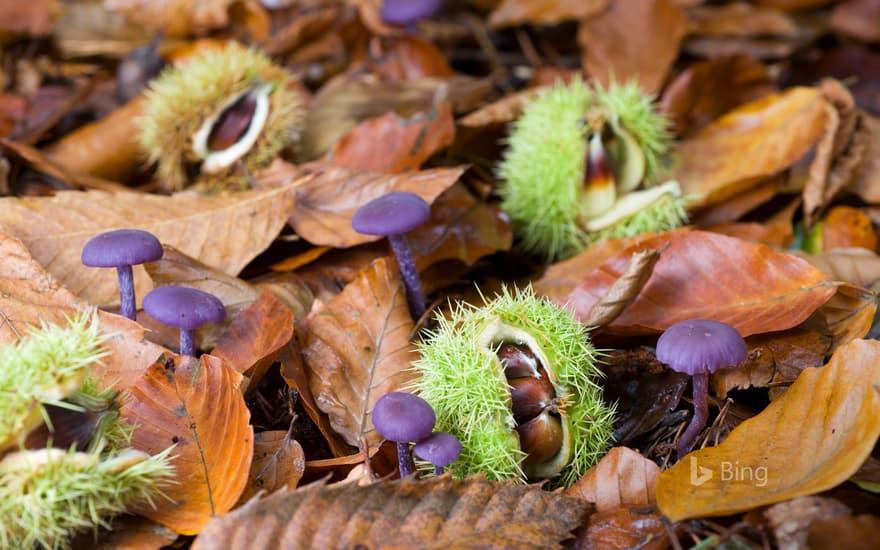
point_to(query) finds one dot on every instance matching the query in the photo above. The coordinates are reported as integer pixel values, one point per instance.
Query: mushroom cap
(700, 345)
(120, 248)
(183, 307)
(391, 214)
(440, 448)
(403, 417)
(407, 12)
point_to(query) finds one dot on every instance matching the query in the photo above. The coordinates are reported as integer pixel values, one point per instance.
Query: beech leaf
(622, 479)
(811, 438)
(356, 349)
(624, 290)
(436, 513)
(278, 462)
(197, 406)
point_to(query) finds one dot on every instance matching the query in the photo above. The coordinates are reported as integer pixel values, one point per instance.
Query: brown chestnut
(540, 438)
(518, 360)
(529, 397)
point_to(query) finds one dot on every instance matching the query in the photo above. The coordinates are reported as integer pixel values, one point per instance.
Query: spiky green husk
(47, 496)
(181, 99)
(543, 165)
(663, 215)
(470, 394)
(46, 366)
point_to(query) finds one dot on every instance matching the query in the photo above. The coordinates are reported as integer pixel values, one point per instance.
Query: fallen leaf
(867, 182)
(859, 19)
(326, 203)
(708, 276)
(432, 513)
(740, 19)
(356, 349)
(855, 265)
(772, 132)
(179, 18)
(39, 161)
(641, 528)
(130, 533)
(789, 521)
(624, 290)
(638, 39)
(811, 438)
(197, 406)
(255, 336)
(848, 227)
(411, 57)
(224, 231)
(509, 13)
(278, 462)
(502, 111)
(849, 532)
(848, 315)
(622, 479)
(391, 143)
(34, 18)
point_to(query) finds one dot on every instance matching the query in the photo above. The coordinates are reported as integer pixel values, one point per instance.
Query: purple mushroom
(403, 418)
(440, 449)
(184, 308)
(699, 347)
(122, 249)
(407, 13)
(392, 215)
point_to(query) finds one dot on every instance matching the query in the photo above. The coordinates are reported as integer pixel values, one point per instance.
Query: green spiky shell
(665, 214)
(470, 395)
(182, 98)
(543, 165)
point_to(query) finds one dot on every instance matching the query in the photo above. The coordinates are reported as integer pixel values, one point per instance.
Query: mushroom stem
(404, 459)
(701, 413)
(438, 471)
(127, 306)
(415, 297)
(187, 342)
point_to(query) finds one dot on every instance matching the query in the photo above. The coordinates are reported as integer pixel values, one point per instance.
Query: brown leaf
(224, 231)
(278, 462)
(357, 349)
(811, 438)
(179, 18)
(326, 204)
(740, 19)
(867, 182)
(859, 19)
(855, 265)
(789, 521)
(622, 479)
(772, 133)
(129, 533)
(30, 296)
(635, 39)
(848, 227)
(708, 276)
(391, 143)
(255, 336)
(707, 90)
(845, 532)
(848, 315)
(411, 57)
(198, 407)
(41, 162)
(432, 513)
(641, 528)
(34, 18)
(502, 111)
(510, 13)
(624, 290)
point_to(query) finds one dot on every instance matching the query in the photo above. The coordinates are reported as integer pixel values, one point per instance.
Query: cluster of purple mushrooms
(177, 306)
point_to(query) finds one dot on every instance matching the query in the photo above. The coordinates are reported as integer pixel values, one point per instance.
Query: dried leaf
(224, 231)
(622, 479)
(198, 407)
(255, 336)
(635, 39)
(130, 533)
(641, 528)
(326, 204)
(411, 57)
(357, 349)
(740, 19)
(813, 437)
(789, 521)
(34, 18)
(505, 110)
(867, 183)
(278, 462)
(848, 315)
(855, 265)
(859, 19)
(179, 18)
(510, 13)
(708, 276)
(433, 513)
(849, 532)
(624, 290)
(847, 227)
(41, 162)
(772, 133)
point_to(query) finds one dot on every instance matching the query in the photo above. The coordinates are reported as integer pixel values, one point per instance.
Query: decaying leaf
(357, 349)
(859, 266)
(278, 462)
(548, 12)
(641, 528)
(624, 290)
(435, 513)
(197, 406)
(181, 17)
(811, 438)
(224, 231)
(622, 479)
(848, 315)
(709, 276)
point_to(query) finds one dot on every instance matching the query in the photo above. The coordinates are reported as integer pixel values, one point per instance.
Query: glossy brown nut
(233, 123)
(518, 360)
(529, 397)
(540, 438)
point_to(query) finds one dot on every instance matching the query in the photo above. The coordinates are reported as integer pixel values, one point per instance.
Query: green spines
(466, 385)
(543, 168)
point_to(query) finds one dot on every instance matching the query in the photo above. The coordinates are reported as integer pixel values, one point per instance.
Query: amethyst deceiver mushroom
(407, 13)
(403, 418)
(699, 347)
(184, 308)
(391, 216)
(440, 449)
(122, 249)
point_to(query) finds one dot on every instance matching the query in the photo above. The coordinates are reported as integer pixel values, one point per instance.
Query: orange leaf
(622, 479)
(813, 437)
(357, 349)
(547, 12)
(641, 528)
(278, 462)
(709, 276)
(198, 407)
